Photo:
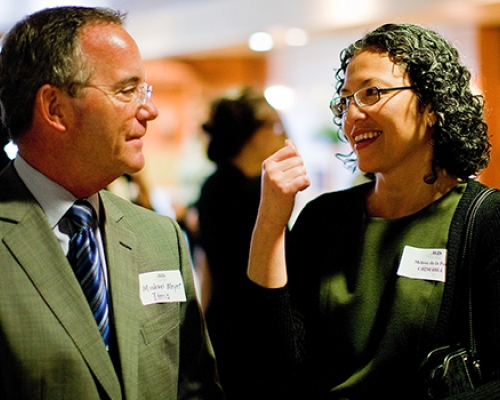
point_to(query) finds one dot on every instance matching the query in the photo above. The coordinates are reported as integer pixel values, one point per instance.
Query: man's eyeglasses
(362, 97)
(144, 92)
(140, 93)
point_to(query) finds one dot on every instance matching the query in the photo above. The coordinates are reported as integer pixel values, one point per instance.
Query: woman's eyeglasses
(362, 97)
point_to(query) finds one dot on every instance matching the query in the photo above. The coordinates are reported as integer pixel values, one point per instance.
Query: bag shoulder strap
(467, 256)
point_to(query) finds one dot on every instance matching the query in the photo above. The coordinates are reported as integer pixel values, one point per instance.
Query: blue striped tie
(83, 255)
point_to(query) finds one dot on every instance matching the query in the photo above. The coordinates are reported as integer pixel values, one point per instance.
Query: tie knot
(81, 215)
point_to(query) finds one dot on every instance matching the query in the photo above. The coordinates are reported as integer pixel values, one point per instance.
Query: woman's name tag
(426, 264)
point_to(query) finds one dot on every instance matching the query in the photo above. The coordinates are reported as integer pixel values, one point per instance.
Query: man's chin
(135, 164)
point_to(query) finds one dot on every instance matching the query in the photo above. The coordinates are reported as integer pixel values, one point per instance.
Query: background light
(260, 41)
(296, 37)
(280, 97)
(11, 150)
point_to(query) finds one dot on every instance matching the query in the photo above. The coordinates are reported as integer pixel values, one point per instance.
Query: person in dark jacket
(243, 129)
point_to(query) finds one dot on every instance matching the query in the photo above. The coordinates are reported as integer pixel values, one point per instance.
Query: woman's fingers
(284, 175)
(286, 171)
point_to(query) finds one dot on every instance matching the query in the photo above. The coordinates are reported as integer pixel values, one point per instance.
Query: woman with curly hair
(367, 282)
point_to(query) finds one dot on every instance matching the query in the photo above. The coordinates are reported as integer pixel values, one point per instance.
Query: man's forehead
(99, 35)
(110, 50)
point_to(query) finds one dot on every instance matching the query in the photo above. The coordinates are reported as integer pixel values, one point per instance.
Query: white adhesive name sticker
(161, 287)
(426, 264)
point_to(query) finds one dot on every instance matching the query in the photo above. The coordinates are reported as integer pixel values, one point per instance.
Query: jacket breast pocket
(161, 324)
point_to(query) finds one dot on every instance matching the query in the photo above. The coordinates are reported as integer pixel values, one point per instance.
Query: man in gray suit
(75, 101)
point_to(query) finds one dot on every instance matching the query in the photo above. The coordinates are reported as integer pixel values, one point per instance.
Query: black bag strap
(488, 390)
(467, 256)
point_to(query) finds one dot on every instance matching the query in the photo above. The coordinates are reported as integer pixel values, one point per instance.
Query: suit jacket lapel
(32, 242)
(121, 258)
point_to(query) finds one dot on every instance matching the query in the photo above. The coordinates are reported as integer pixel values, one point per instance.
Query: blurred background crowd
(196, 50)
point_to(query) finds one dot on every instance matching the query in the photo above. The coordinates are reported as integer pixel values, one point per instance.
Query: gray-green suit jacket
(50, 346)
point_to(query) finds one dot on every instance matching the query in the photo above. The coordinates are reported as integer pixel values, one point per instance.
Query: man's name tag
(426, 264)
(161, 287)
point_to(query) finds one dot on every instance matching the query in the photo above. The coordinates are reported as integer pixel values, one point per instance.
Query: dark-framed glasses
(362, 97)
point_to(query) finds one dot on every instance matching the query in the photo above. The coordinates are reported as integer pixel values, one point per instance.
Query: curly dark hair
(43, 48)
(460, 138)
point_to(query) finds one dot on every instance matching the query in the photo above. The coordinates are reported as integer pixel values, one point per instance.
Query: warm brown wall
(182, 91)
(489, 55)
(218, 73)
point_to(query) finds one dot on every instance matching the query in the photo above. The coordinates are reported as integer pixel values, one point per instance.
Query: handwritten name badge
(427, 264)
(161, 287)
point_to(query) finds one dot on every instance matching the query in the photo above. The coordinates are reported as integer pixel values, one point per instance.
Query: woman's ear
(50, 104)
(431, 116)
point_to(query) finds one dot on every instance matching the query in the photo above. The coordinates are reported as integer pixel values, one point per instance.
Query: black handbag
(450, 371)
(454, 371)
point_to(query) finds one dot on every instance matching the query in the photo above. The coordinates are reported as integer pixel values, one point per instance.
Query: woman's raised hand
(283, 176)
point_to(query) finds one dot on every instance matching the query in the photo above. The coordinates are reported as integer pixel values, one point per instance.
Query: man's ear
(51, 105)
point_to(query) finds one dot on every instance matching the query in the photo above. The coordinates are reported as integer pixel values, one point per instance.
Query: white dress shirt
(55, 202)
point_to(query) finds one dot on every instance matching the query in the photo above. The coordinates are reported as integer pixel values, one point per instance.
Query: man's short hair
(44, 48)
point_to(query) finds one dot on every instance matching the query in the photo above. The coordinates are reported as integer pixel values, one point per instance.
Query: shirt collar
(52, 197)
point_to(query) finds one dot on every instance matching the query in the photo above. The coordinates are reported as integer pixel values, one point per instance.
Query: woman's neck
(405, 197)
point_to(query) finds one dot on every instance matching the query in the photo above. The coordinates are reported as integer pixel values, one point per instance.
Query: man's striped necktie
(83, 255)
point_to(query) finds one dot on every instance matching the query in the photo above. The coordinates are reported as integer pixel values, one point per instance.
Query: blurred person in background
(243, 131)
(134, 188)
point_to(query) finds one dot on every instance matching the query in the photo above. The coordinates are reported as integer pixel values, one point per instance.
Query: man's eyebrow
(127, 81)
